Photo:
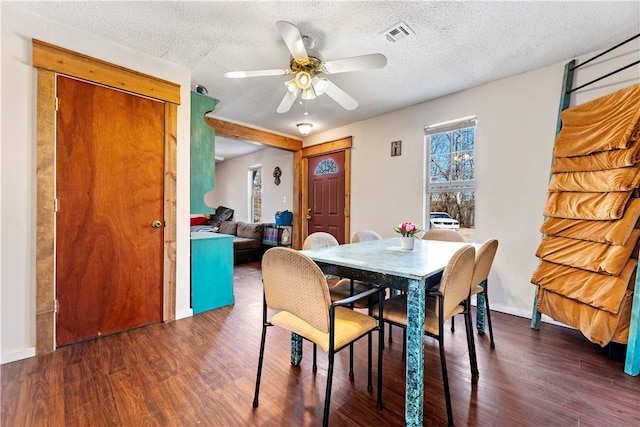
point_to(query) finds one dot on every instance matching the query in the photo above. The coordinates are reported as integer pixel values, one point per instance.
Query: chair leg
(453, 323)
(260, 358)
(380, 347)
(327, 397)
(445, 379)
(315, 364)
(369, 373)
(390, 334)
(404, 343)
(488, 313)
(471, 345)
(351, 361)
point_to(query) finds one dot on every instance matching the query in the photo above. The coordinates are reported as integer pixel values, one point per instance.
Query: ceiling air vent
(398, 32)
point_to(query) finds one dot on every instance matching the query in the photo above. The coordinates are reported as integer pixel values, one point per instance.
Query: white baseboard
(184, 313)
(18, 355)
(525, 314)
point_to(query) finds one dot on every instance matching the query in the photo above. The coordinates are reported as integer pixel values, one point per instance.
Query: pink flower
(407, 229)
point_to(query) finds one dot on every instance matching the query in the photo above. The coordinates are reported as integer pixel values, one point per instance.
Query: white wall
(231, 183)
(514, 138)
(516, 129)
(18, 171)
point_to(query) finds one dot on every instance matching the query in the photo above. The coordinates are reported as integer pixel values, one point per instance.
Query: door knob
(308, 214)
(156, 224)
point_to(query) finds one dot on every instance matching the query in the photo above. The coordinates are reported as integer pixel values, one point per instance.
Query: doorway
(305, 172)
(50, 60)
(326, 191)
(109, 216)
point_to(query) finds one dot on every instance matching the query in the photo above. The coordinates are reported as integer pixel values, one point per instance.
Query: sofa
(247, 239)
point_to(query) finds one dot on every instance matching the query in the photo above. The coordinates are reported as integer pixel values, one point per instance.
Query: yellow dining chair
(444, 235)
(451, 298)
(319, 239)
(441, 234)
(484, 261)
(347, 287)
(295, 287)
(344, 288)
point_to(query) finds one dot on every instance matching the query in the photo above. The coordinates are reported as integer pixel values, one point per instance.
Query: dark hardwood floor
(201, 371)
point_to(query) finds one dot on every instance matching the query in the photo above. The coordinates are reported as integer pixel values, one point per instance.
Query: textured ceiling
(456, 45)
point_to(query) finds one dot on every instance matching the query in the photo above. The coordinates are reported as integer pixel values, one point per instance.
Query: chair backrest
(294, 283)
(364, 236)
(484, 260)
(444, 235)
(455, 285)
(319, 239)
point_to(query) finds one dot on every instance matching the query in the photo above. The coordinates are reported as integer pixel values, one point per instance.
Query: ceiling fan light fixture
(304, 128)
(320, 86)
(303, 80)
(291, 85)
(308, 94)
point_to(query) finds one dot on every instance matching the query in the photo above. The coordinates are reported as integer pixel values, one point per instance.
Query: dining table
(385, 263)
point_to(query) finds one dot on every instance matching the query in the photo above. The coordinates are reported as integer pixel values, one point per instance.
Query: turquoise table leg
(632, 360)
(481, 307)
(536, 315)
(296, 349)
(415, 354)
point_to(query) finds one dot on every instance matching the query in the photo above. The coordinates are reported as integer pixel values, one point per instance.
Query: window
(326, 167)
(255, 193)
(450, 174)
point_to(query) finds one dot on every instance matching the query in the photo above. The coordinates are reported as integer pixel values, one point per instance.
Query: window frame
(250, 192)
(449, 186)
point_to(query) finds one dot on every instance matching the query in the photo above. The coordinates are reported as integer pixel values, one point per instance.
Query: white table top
(385, 256)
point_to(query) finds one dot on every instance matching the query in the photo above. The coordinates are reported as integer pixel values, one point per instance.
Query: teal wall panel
(202, 153)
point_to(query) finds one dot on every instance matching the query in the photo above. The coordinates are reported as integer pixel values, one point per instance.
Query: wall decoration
(276, 175)
(396, 148)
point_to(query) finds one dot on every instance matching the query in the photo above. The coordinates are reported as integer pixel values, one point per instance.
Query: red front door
(326, 210)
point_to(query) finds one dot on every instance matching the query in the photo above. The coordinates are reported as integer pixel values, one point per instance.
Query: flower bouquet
(408, 231)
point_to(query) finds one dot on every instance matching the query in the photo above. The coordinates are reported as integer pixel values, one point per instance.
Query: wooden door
(326, 210)
(109, 190)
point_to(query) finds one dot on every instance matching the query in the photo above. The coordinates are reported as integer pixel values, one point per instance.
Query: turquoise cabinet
(202, 152)
(211, 271)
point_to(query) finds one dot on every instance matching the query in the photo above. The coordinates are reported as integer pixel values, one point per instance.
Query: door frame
(294, 145)
(50, 60)
(343, 144)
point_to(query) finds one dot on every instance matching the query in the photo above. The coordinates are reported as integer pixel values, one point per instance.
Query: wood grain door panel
(109, 187)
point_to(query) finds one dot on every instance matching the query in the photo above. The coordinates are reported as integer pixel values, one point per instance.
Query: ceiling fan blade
(340, 96)
(256, 73)
(356, 63)
(293, 40)
(287, 101)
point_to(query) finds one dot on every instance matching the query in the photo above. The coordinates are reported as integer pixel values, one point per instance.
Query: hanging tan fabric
(591, 206)
(621, 179)
(601, 291)
(602, 160)
(613, 232)
(597, 257)
(588, 255)
(598, 326)
(603, 124)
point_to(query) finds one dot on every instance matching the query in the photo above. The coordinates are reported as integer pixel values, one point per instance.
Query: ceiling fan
(308, 70)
